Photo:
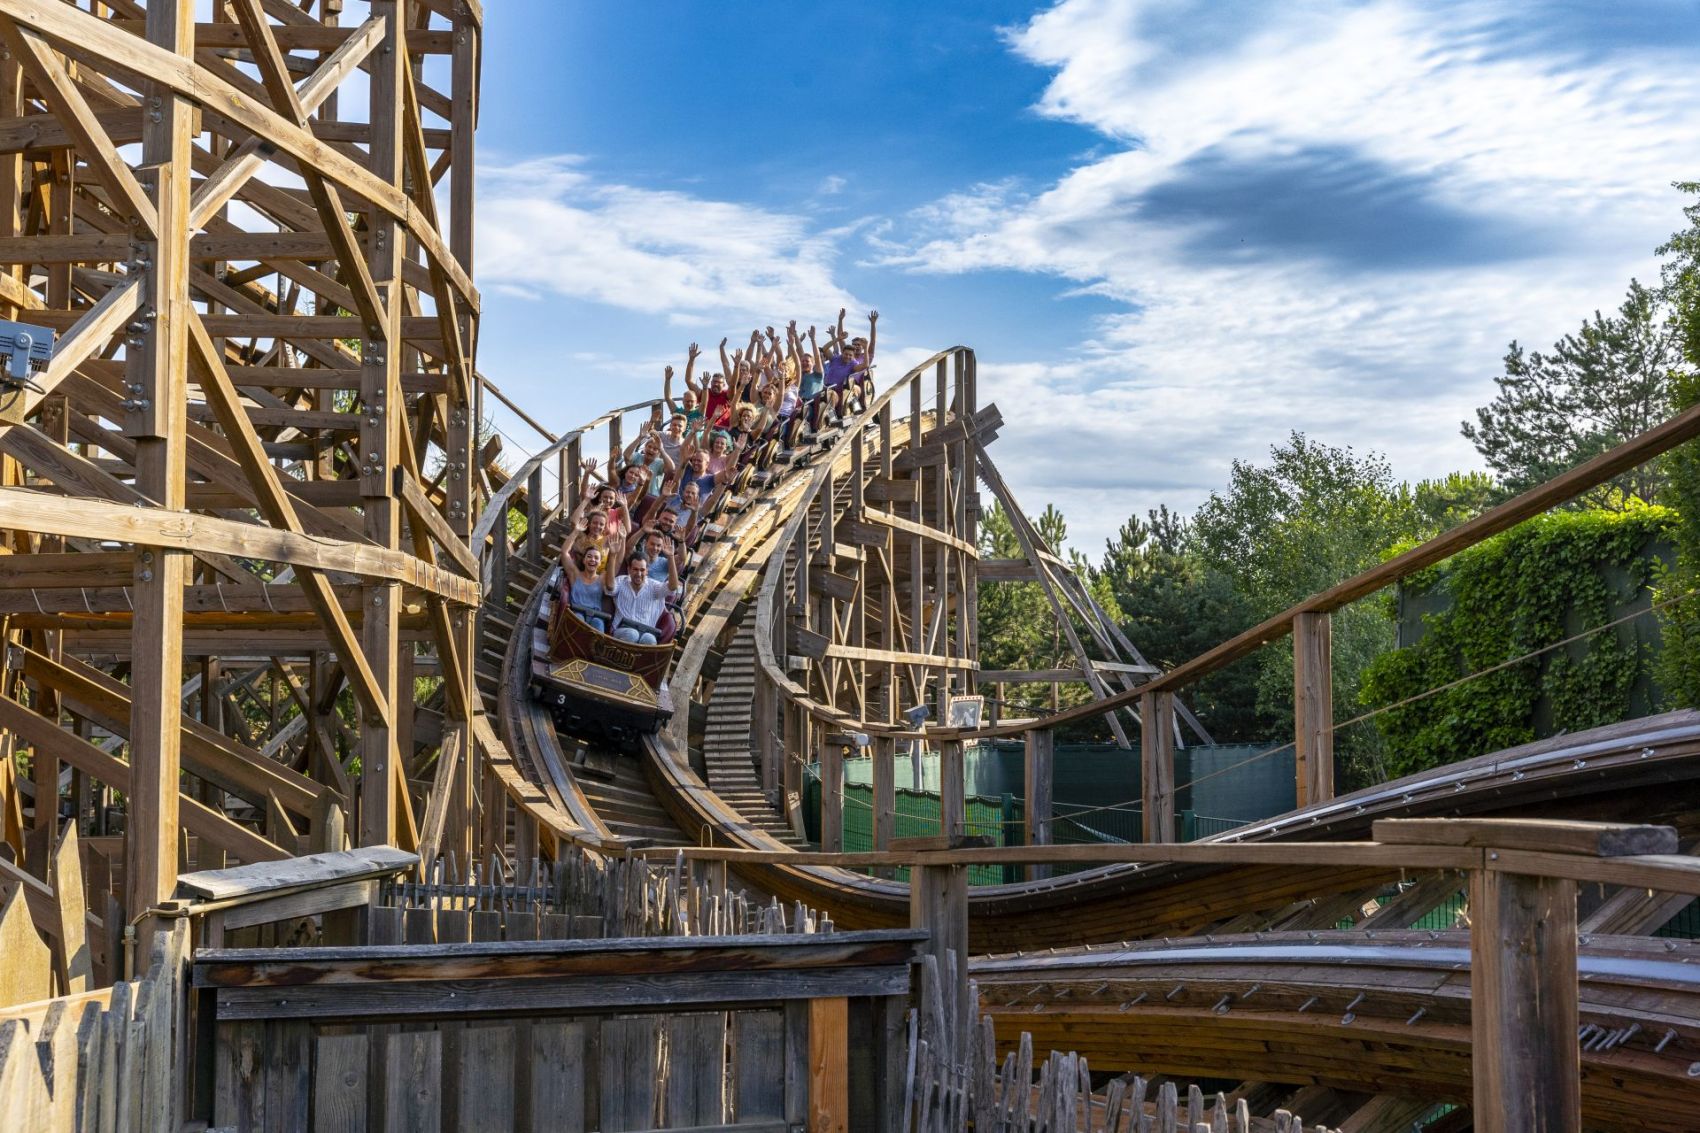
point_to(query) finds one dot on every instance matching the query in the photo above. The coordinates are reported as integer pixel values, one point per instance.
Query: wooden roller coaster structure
(250, 475)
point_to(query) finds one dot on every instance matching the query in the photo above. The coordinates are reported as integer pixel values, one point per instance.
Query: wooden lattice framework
(254, 450)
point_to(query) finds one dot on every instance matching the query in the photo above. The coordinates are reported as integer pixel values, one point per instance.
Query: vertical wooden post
(1313, 707)
(380, 442)
(534, 513)
(1157, 764)
(938, 902)
(1524, 1058)
(767, 743)
(829, 1065)
(157, 363)
(885, 796)
(1039, 766)
(953, 811)
(832, 793)
(616, 444)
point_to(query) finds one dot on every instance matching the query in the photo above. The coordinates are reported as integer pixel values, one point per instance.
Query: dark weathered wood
(1559, 836)
(412, 1082)
(339, 1083)
(758, 1065)
(1525, 1062)
(696, 1069)
(431, 997)
(630, 1057)
(261, 967)
(561, 1054)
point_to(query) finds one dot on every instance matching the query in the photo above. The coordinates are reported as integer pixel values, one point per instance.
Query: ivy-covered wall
(1545, 580)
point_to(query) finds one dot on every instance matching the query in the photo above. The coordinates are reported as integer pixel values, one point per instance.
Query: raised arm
(608, 573)
(667, 389)
(873, 334)
(690, 368)
(814, 347)
(841, 313)
(725, 362)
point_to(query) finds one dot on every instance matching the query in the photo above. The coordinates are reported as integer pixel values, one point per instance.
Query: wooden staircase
(727, 750)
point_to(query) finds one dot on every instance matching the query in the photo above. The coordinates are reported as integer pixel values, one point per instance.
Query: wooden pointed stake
(76, 966)
(27, 973)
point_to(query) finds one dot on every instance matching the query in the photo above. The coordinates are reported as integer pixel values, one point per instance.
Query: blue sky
(1173, 230)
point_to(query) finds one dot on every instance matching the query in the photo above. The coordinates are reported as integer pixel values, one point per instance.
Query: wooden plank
(561, 1055)
(1557, 836)
(1038, 773)
(27, 974)
(630, 1053)
(268, 879)
(1525, 1068)
(829, 1066)
(840, 587)
(487, 1078)
(30, 510)
(1313, 707)
(339, 1083)
(1331, 855)
(75, 961)
(413, 1082)
(696, 1069)
(1006, 570)
(1157, 765)
(758, 1066)
(584, 993)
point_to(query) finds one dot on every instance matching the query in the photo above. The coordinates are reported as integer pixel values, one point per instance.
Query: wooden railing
(1308, 623)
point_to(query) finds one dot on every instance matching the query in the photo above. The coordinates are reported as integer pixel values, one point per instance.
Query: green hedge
(1545, 580)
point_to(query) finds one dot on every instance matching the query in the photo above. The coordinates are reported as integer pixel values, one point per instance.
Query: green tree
(1678, 663)
(1173, 606)
(1313, 516)
(1455, 498)
(1596, 388)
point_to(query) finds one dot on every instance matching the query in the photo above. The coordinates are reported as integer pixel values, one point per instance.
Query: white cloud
(548, 227)
(1239, 324)
(831, 184)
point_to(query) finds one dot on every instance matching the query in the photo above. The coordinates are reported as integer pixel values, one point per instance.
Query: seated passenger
(639, 601)
(593, 536)
(582, 589)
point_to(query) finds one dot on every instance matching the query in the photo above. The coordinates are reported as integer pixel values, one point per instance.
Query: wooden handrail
(499, 501)
(1560, 489)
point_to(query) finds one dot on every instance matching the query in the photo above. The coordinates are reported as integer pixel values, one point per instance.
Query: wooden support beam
(1157, 765)
(1038, 769)
(831, 794)
(30, 510)
(1526, 1066)
(1313, 707)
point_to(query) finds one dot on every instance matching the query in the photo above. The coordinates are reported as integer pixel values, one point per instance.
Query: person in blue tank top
(584, 588)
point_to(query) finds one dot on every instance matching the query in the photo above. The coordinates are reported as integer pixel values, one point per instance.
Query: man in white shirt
(639, 600)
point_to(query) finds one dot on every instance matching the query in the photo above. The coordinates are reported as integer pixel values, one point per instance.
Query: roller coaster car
(594, 683)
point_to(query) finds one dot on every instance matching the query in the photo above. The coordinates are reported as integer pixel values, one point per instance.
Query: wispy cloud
(1324, 216)
(548, 226)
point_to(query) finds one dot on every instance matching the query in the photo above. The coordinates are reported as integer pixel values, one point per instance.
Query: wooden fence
(980, 1093)
(102, 1061)
(580, 896)
(763, 1033)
